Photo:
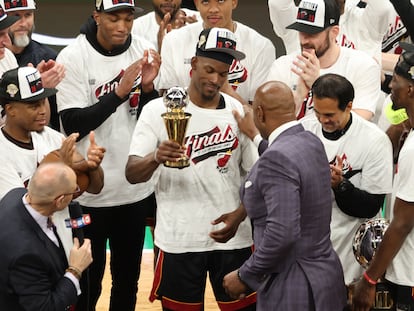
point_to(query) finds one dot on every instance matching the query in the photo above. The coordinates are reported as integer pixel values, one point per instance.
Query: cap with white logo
(23, 84)
(314, 16)
(18, 5)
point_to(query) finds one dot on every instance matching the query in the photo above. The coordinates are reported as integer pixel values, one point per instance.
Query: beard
(21, 41)
(161, 14)
(321, 50)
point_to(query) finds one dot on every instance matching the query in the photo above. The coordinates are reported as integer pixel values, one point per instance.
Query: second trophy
(176, 121)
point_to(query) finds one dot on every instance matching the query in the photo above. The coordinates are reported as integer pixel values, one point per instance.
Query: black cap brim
(8, 21)
(235, 54)
(46, 93)
(305, 28)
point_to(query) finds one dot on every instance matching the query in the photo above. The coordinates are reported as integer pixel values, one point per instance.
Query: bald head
(273, 105)
(51, 180)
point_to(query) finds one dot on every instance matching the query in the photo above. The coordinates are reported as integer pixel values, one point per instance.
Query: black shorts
(403, 296)
(180, 279)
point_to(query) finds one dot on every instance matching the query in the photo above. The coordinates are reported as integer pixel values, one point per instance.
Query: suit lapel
(56, 254)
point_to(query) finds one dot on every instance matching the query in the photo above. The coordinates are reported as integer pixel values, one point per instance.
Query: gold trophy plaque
(176, 121)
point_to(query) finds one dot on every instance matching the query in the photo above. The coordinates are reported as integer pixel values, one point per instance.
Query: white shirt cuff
(257, 139)
(75, 282)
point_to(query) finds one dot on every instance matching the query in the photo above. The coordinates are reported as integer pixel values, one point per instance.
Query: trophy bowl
(366, 241)
(176, 121)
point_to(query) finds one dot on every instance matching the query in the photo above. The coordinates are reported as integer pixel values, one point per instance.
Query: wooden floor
(144, 288)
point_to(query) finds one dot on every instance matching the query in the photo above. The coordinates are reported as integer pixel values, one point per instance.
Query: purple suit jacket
(287, 196)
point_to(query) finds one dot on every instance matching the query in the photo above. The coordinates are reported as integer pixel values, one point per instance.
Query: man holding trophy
(394, 256)
(201, 226)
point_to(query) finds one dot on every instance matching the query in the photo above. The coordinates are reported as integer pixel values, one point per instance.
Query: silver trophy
(365, 244)
(176, 121)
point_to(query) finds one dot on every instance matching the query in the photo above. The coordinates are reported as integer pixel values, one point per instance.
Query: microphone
(77, 221)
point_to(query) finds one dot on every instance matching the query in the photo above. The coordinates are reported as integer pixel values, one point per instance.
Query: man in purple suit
(287, 195)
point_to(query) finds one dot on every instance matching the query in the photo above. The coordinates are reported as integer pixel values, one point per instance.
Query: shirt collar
(279, 130)
(39, 218)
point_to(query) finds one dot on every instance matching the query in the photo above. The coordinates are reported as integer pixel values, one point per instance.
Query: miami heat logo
(15, 4)
(237, 74)
(346, 166)
(342, 40)
(213, 143)
(110, 86)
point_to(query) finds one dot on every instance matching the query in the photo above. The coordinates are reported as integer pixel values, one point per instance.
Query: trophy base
(383, 297)
(181, 163)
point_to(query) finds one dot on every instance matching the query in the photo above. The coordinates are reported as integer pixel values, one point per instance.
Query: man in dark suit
(287, 195)
(34, 271)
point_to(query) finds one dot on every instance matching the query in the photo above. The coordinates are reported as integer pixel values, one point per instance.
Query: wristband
(75, 271)
(368, 279)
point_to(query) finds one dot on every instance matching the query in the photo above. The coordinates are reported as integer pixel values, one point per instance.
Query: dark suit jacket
(287, 195)
(31, 265)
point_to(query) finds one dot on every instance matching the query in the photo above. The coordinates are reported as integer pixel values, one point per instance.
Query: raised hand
(95, 153)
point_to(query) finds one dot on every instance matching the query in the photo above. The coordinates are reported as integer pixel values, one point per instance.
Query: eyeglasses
(78, 190)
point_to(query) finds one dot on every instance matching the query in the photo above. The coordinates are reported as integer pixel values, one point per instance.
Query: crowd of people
(287, 156)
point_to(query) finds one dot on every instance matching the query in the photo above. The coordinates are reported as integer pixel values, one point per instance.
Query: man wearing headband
(394, 255)
(201, 226)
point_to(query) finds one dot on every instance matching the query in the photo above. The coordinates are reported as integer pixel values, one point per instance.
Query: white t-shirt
(90, 75)
(146, 26)
(179, 46)
(359, 68)
(19, 164)
(396, 33)
(360, 28)
(189, 199)
(401, 270)
(367, 162)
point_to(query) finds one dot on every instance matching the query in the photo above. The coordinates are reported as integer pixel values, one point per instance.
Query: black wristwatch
(344, 186)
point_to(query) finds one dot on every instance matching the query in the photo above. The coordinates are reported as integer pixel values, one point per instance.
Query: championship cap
(219, 44)
(17, 5)
(108, 6)
(23, 84)
(314, 16)
(5, 20)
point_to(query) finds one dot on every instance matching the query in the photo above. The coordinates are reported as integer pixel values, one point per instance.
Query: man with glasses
(25, 139)
(34, 271)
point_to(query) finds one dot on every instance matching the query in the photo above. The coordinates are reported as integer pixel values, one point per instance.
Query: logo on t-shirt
(237, 74)
(213, 143)
(108, 87)
(396, 33)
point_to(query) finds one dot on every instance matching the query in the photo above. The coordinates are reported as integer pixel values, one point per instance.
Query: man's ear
(235, 3)
(194, 61)
(9, 109)
(260, 114)
(349, 106)
(97, 17)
